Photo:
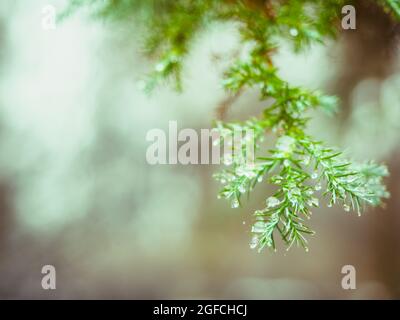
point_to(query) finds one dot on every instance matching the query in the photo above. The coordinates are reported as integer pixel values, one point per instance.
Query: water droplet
(306, 248)
(296, 191)
(286, 144)
(242, 189)
(346, 208)
(244, 222)
(313, 202)
(260, 179)
(286, 163)
(276, 179)
(272, 202)
(223, 181)
(258, 227)
(293, 32)
(160, 67)
(254, 243)
(235, 203)
(314, 175)
(318, 187)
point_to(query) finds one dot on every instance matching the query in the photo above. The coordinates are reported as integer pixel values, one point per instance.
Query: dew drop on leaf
(258, 227)
(314, 175)
(293, 32)
(254, 243)
(160, 67)
(272, 202)
(235, 203)
(313, 202)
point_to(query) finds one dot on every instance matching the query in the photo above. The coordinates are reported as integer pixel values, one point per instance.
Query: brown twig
(223, 107)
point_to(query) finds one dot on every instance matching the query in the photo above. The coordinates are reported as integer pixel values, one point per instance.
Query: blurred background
(76, 191)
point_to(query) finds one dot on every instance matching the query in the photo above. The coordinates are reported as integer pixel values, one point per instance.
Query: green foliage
(392, 6)
(301, 168)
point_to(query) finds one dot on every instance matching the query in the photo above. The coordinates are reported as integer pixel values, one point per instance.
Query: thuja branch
(301, 168)
(298, 165)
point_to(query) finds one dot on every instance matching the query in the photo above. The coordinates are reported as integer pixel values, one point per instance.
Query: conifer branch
(299, 166)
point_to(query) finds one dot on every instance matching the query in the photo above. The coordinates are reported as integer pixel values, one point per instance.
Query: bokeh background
(76, 191)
